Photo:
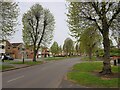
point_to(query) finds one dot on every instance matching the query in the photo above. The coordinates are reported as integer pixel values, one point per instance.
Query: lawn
(54, 58)
(86, 74)
(58, 58)
(87, 58)
(4, 67)
(27, 62)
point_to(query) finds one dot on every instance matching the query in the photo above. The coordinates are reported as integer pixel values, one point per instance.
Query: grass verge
(54, 58)
(27, 62)
(94, 58)
(58, 58)
(83, 74)
(4, 67)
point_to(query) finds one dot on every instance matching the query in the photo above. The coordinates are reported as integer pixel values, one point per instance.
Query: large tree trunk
(106, 63)
(35, 54)
(90, 54)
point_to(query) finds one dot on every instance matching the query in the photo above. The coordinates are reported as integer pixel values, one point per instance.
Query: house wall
(16, 51)
(29, 53)
(8, 48)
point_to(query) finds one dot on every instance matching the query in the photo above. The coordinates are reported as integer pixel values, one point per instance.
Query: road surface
(48, 75)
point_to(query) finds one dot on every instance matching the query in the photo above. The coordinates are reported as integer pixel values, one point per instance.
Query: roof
(16, 44)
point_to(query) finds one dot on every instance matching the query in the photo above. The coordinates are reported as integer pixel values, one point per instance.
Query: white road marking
(15, 79)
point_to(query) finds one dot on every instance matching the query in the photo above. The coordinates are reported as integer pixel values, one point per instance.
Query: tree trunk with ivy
(106, 43)
(106, 59)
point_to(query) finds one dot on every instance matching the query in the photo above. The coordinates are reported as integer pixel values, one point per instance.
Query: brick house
(29, 53)
(43, 52)
(17, 50)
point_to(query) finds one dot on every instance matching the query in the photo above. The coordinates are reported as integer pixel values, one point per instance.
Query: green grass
(87, 58)
(54, 58)
(27, 62)
(82, 74)
(4, 67)
(58, 58)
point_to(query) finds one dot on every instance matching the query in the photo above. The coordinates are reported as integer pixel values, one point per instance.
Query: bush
(114, 52)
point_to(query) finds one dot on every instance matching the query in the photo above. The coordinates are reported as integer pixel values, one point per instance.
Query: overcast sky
(58, 9)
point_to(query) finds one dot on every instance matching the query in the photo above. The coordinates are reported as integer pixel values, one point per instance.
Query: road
(48, 75)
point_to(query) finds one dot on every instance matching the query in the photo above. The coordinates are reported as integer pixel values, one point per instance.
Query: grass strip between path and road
(54, 58)
(14, 65)
(4, 67)
(93, 58)
(27, 62)
(58, 58)
(85, 74)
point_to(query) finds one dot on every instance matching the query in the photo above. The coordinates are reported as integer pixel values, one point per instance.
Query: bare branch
(44, 27)
(31, 34)
(95, 6)
(109, 6)
(91, 19)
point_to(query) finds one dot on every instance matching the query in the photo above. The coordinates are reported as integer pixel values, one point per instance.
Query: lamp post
(23, 51)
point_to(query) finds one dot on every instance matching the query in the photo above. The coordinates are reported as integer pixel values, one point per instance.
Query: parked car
(7, 57)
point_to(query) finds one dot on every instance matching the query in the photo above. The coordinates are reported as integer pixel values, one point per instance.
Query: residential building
(5, 47)
(17, 49)
(29, 53)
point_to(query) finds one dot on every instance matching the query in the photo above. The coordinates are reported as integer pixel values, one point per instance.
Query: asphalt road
(48, 75)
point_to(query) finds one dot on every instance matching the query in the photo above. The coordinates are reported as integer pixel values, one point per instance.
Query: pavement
(48, 75)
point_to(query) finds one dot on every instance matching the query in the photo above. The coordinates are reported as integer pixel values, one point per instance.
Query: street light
(23, 51)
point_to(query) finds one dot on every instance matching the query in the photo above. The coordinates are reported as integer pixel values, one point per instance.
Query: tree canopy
(38, 27)
(105, 15)
(9, 12)
(68, 46)
(54, 48)
(90, 41)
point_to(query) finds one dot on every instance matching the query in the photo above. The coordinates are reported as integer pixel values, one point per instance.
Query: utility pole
(23, 52)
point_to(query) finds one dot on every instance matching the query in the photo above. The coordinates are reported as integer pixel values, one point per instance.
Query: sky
(58, 9)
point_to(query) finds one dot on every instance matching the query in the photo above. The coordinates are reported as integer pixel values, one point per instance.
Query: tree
(77, 48)
(68, 46)
(116, 30)
(38, 27)
(89, 41)
(111, 43)
(9, 12)
(73, 20)
(54, 48)
(116, 35)
(60, 49)
(104, 14)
